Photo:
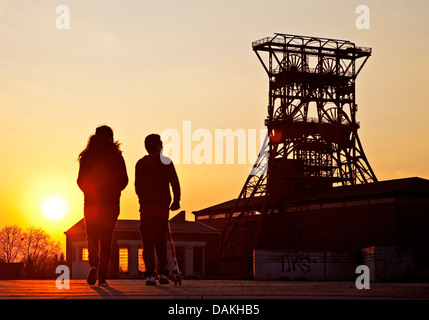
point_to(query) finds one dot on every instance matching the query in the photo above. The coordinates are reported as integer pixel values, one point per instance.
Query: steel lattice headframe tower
(312, 140)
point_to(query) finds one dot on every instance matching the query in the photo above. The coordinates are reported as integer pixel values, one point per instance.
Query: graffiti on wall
(297, 263)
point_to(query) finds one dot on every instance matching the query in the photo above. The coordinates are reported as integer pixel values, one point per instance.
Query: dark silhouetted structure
(391, 213)
(312, 142)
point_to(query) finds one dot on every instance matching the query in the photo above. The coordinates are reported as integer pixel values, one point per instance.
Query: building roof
(178, 224)
(224, 207)
(217, 208)
(407, 186)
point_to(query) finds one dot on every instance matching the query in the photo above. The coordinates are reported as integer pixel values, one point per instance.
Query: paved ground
(211, 289)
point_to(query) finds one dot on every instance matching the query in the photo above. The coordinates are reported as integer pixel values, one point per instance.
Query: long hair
(100, 143)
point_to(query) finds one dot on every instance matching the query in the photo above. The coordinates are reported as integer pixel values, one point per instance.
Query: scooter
(177, 275)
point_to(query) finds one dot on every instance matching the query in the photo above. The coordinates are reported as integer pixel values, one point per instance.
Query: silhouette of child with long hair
(152, 182)
(102, 177)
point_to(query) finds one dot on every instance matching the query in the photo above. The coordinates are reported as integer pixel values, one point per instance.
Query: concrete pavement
(211, 289)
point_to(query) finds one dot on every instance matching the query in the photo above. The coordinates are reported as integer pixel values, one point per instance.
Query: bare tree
(11, 243)
(39, 250)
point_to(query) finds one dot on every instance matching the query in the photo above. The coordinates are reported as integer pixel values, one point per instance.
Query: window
(218, 216)
(142, 267)
(123, 260)
(84, 254)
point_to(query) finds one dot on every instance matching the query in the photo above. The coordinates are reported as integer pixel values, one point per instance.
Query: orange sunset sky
(142, 66)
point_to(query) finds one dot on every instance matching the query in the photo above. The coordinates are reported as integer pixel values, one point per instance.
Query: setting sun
(54, 208)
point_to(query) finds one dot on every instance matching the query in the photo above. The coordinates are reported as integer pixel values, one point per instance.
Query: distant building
(196, 249)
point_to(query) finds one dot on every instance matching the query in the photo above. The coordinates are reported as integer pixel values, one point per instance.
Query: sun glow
(54, 208)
